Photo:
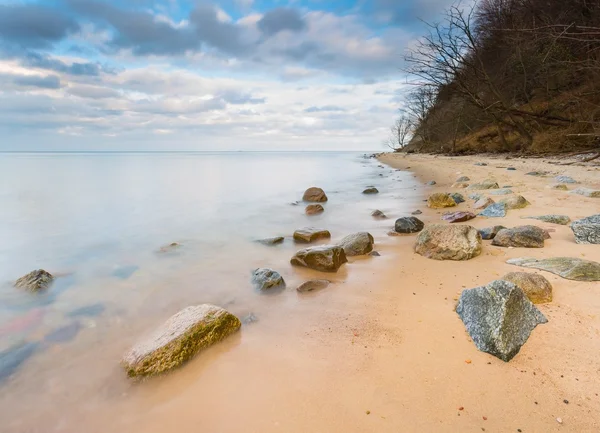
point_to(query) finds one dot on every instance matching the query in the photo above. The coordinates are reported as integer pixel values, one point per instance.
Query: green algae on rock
(180, 338)
(35, 280)
(553, 219)
(440, 200)
(569, 268)
(515, 202)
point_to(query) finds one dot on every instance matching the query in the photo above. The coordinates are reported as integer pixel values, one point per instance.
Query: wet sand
(382, 350)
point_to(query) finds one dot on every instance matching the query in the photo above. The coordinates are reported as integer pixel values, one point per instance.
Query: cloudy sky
(200, 75)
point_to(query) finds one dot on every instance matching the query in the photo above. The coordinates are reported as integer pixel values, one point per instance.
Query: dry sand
(382, 349)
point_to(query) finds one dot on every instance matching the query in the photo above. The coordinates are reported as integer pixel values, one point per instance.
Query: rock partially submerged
(370, 190)
(496, 210)
(515, 202)
(440, 200)
(325, 258)
(408, 225)
(567, 267)
(179, 339)
(535, 286)
(378, 214)
(312, 285)
(446, 242)
(498, 317)
(314, 209)
(520, 237)
(357, 244)
(488, 233)
(35, 280)
(266, 279)
(458, 217)
(553, 219)
(310, 234)
(587, 192)
(170, 248)
(314, 194)
(271, 241)
(587, 230)
(486, 184)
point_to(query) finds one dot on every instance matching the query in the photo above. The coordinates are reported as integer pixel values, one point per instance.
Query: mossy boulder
(324, 258)
(521, 237)
(440, 200)
(179, 339)
(553, 219)
(357, 244)
(310, 234)
(314, 194)
(567, 267)
(587, 230)
(448, 242)
(408, 225)
(486, 184)
(35, 280)
(537, 288)
(515, 202)
(587, 192)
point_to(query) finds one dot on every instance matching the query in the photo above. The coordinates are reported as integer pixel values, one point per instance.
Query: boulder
(501, 191)
(458, 217)
(311, 285)
(567, 267)
(486, 184)
(463, 179)
(314, 209)
(314, 194)
(310, 234)
(488, 233)
(431, 183)
(378, 214)
(522, 236)
(565, 179)
(457, 197)
(179, 339)
(563, 220)
(587, 192)
(357, 244)
(271, 241)
(440, 200)
(35, 280)
(498, 317)
(265, 279)
(587, 230)
(370, 190)
(535, 286)
(408, 225)
(496, 210)
(560, 186)
(515, 202)
(448, 242)
(325, 258)
(482, 203)
(461, 185)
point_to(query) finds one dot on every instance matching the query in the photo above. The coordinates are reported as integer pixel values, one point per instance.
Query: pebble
(559, 420)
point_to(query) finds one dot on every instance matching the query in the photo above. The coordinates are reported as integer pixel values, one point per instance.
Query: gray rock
(565, 179)
(35, 280)
(314, 194)
(498, 317)
(371, 190)
(476, 196)
(567, 267)
(511, 168)
(374, 253)
(357, 244)
(463, 179)
(515, 202)
(408, 225)
(310, 234)
(431, 182)
(520, 237)
(481, 164)
(587, 192)
(249, 318)
(486, 184)
(325, 258)
(501, 191)
(417, 212)
(266, 279)
(489, 233)
(271, 241)
(496, 210)
(537, 173)
(457, 197)
(448, 242)
(312, 285)
(587, 230)
(560, 186)
(553, 219)
(378, 214)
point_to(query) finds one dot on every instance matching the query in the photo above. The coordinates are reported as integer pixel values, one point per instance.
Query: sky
(201, 75)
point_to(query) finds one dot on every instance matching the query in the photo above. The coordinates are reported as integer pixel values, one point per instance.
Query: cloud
(92, 92)
(325, 108)
(281, 19)
(43, 61)
(43, 82)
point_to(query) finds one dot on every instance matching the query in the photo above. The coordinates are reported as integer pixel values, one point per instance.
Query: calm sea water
(98, 221)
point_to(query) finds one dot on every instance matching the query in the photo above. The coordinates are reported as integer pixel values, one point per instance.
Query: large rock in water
(357, 244)
(325, 258)
(265, 279)
(515, 202)
(310, 234)
(522, 236)
(498, 317)
(567, 267)
(314, 209)
(179, 339)
(408, 225)
(587, 230)
(535, 286)
(445, 242)
(587, 192)
(440, 200)
(314, 194)
(311, 285)
(35, 280)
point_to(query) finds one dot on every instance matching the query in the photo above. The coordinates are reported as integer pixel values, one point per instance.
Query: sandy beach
(382, 349)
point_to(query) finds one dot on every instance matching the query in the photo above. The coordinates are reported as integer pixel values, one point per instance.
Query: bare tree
(400, 133)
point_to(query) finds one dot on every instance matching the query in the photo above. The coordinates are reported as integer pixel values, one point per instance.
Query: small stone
(431, 182)
(35, 280)
(560, 186)
(417, 212)
(587, 230)
(476, 196)
(511, 168)
(310, 234)
(171, 248)
(460, 185)
(553, 219)
(371, 190)
(378, 214)
(587, 192)
(408, 225)
(440, 200)
(249, 318)
(314, 209)
(374, 254)
(501, 191)
(266, 279)
(271, 241)
(481, 164)
(457, 217)
(559, 420)
(312, 285)
(496, 210)
(457, 197)
(537, 173)
(486, 184)
(463, 179)
(489, 233)
(482, 203)
(565, 179)
(515, 202)
(314, 194)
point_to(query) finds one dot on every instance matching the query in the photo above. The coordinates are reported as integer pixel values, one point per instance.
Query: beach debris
(357, 244)
(312, 285)
(463, 179)
(587, 230)
(448, 242)
(565, 179)
(560, 186)
(458, 217)
(417, 212)
(552, 219)
(486, 184)
(431, 183)
(587, 192)
(521, 237)
(483, 202)
(440, 200)
(378, 214)
(535, 286)
(310, 234)
(35, 281)
(266, 279)
(12, 358)
(314, 194)
(498, 317)
(370, 190)
(496, 210)
(314, 209)
(271, 241)
(569, 268)
(461, 185)
(408, 225)
(325, 258)
(515, 202)
(489, 233)
(501, 191)
(457, 197)
(179, 339)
